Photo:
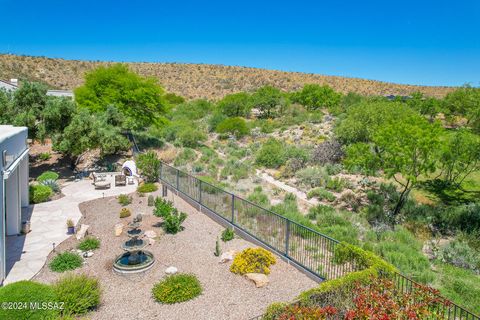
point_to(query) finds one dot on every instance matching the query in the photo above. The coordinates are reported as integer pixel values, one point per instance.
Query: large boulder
(259, 279)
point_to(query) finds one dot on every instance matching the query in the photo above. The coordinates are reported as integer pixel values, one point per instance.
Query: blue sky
(416, 42)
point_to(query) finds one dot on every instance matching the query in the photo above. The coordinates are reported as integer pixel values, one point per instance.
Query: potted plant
(70, 226)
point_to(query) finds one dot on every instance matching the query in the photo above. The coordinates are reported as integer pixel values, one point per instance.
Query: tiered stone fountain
(135, 259)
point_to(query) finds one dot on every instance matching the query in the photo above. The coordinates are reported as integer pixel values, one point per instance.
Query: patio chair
(120, 180)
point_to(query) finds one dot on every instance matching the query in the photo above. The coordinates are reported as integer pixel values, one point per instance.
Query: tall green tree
(236, 105)
(404, 150)
(426, 106)
(138, 99)
(29, 101)
(267, 100)
(460, 156)
(364, 119)
(314, 97)
(465, 102)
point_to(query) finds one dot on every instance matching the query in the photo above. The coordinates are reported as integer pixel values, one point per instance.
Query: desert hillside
(198, 80)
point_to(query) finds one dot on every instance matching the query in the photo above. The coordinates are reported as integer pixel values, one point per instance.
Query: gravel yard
(225, 295)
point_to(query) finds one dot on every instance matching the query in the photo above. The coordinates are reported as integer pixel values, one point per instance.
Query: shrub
(228, 235)
(321, 194)
(320, 211)
(28, 292)
(304, 312)
(460, 254)
(214, 120)
(271, 154)
(125, 212)
(80, 293)
(162, 207)
(52, 184)
(236, 104)
(252, 260)
(124, 199)
(328, 152)
(258, 197)
(172, 223)
(336, 184)
(313, 176)
(48, 175)
(190, 137)
(89, 243)
(147, 187)
(66, 261)
(39, 193)
(149, 165)
(235, 126)
(44, 156)
(186, 156)
(150, 201)
(177, 288)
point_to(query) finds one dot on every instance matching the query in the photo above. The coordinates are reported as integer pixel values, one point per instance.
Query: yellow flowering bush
(253, 260)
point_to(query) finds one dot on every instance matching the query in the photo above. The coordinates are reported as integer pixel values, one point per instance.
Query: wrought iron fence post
(233, 208)
(199, 191)
(178, 173)
(287, 237)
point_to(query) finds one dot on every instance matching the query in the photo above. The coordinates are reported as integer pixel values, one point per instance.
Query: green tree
(138, 99)
(56, 116)
(407, 149)
(28, 104)
(267, 100)
(465, 102)
(426, 106)
(149, 165)
(460, 156)
(314, 96)
(236, 105)
(364, 119)
(86, 132)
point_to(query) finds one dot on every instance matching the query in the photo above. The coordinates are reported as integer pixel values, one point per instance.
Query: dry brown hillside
(198, 80)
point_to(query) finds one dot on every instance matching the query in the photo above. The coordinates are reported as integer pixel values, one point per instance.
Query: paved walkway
(27, 254)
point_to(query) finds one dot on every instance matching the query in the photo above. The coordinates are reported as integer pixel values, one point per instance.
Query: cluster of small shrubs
(66, 261)
(89, 243)
(124, 199)
(70, 296)
(259, 197)
(40, 193)
(321, 194)
(125, 212)
(253, 260)
(147, 187)
(459, 253)
(172, 219)
(177, 288)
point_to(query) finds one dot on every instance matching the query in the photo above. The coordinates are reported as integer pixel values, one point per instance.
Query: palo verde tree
(138, 99)
(404, 150)
(314, 97)
(236, 105)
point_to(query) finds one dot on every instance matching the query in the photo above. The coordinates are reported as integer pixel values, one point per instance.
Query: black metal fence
(307, 248)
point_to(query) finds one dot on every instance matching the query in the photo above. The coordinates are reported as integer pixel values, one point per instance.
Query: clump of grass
(124, 199)
(177, 288)
(66, 261)
(147, 187)
(89, 243)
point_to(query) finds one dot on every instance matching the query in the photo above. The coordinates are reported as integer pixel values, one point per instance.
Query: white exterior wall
(13, 184)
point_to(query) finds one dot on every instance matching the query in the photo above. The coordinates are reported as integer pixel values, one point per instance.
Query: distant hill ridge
(198, 80)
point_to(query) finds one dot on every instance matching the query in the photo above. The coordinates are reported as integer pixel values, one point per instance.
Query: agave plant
(52, 184)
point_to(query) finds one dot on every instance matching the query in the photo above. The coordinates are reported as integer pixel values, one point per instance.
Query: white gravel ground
(225, 295)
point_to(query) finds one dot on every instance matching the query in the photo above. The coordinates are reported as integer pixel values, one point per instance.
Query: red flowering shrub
(307, 313)
(381, 300)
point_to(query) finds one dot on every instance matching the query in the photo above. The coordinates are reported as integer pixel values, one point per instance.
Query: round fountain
(135, 259)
